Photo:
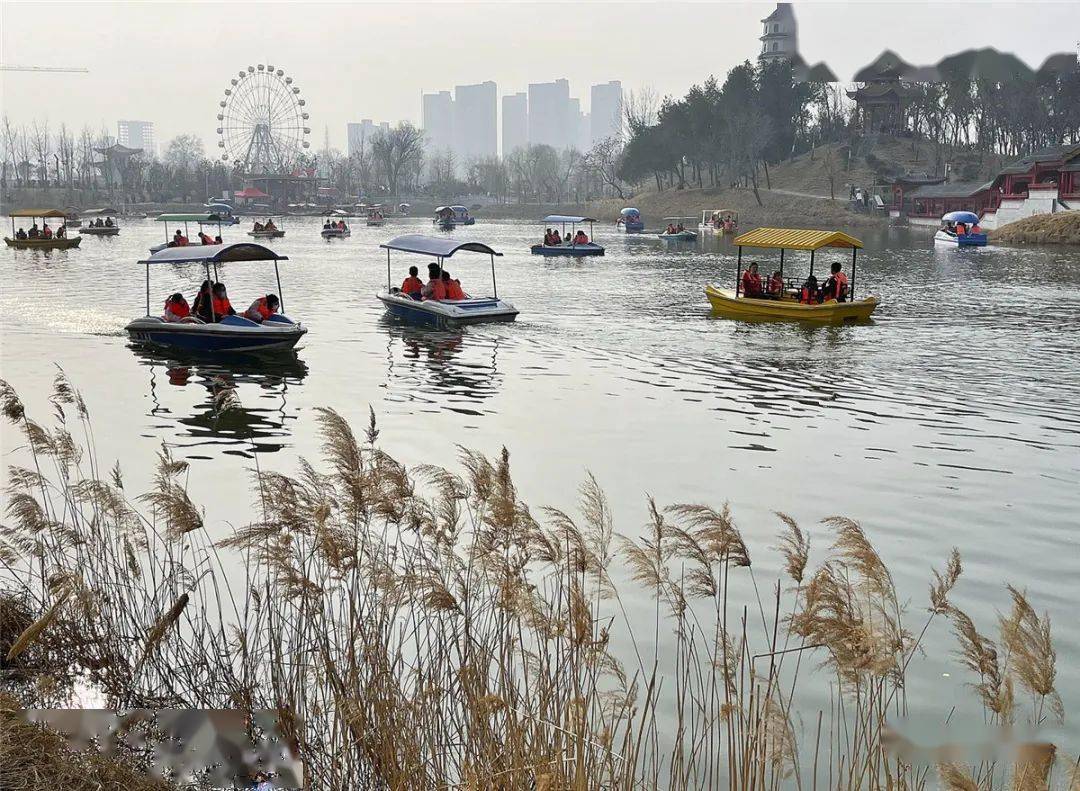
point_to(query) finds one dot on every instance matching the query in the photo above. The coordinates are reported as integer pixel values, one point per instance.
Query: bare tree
(42, 148)
(399, 153)
(602, 162)
(641, 108)
(11, 148)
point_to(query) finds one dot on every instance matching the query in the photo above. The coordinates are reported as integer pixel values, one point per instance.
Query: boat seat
(238, 321)
(278, 318)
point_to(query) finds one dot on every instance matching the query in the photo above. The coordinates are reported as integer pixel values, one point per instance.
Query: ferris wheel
(262, 121)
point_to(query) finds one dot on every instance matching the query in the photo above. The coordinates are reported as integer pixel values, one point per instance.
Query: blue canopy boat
(231, 333)
(948, 233)
(630, 220)
(568, 248)
(442, 313)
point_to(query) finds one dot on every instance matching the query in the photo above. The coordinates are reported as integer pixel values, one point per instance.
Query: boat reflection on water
(456, 371)
(243, 405)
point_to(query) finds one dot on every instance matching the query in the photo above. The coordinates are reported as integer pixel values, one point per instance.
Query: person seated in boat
(452, 286)
(751, 282)
(975, 228)
(581, 238)
(35, 232)
(220, 301)
(20, 234)
(961, 229)
(258, 226)
(809, 294)
(176, 308)
(263, 308)
(108, 222)
(100, 223)
(679, 228)
(61, 232)
(547, 237)
(568, 240)
(217, 239)
(836, 287)
(269, 225)
(205, 238)
(434, 288)
(412, 285)
(776, 285)
(201, 305)
(46, 231)
(670, 229)
(326, 226)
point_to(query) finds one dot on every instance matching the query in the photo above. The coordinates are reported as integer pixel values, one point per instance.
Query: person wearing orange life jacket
(836, 287)
(808, 294)
(961, 229)
(581, 238)
(220, 302)
(751, 282)
(46, 231)
(452, 286)
(412, 285)
(176, 308)
(263, 308)
(434, 288)
(204, 238)
(776, 285)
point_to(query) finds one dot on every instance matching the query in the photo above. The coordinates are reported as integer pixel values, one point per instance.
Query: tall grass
(424, 628)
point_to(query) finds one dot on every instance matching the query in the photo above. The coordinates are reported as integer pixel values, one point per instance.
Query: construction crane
(70, 70)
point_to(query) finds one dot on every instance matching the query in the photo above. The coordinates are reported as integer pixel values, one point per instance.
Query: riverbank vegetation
(1058, 228)
(425, 628)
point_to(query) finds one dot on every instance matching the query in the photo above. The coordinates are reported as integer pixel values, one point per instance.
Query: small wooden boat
(949, 236)
(38, 242)
(443, 314)
(229, 334)
(568, 248)
(785, 305)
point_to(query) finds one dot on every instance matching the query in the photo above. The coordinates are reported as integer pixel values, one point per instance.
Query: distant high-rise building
(780, 36)
(360, 135)
(476, 122)
(515, 122)
(579, 126)
(549, 115)
(437, 119)
(605, 111)
(137, 134)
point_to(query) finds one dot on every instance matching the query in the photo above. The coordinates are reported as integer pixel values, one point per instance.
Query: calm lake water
(952, 419)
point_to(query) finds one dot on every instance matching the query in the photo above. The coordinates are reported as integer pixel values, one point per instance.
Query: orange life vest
(178, 309)
(807, 297)
(263, 308)
(776, 285)
(182, 241)
(221, 306)
(47, 232)
(438, 290)
(751, 283)
(453, 290)
(412, 285)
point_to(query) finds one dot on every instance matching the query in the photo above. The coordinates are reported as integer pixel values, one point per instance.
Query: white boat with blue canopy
(956, 230)
(229, 333)
(442, 313)
(183, 219)
(570, 248)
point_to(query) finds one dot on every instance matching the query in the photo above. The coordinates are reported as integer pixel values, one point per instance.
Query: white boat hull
(447, 313)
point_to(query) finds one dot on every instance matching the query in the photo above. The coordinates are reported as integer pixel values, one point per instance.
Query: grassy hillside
(1060, 228)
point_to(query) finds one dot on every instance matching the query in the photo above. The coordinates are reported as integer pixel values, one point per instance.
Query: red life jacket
(412, 285)
(182, 241)
(221, 306)
(48, 232)
(453, 290)
(438, 290)
(807, 297)
(751, 283)
(263, 308)
(178, 309)
(776, 285)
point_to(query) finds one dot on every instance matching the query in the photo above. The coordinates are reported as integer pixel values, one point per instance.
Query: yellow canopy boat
(40, 242)
(786, 306)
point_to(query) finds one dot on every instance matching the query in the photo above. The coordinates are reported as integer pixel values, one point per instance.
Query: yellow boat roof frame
(784, 239)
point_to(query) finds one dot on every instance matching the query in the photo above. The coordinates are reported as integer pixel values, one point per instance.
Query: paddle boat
(224, 211)
(630, 220)
(449, 217)
(685, 235)
(102, 227)
(54, 242)
(719, 221)
(442, 313)
(267, 230)
(335, 229)
(948, 233)
(71, 217)
(230, 333)
(570, 248)
(786, 305)
(403, 209)
(375, 216)
(183, 219)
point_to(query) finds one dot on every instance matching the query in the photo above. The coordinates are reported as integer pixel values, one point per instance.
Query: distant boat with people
(630, 220)
(575, 243)
(335, 227)
(375, 216)
(43, 238)
(185, 238)
(960, 229)
(677, 231)
(448, 217)
(441, 302)
(268, 229)
(719, 221)
(106, 223)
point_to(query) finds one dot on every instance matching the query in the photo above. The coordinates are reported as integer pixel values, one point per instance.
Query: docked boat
(791, 302)
(449, 217)
(630, 220)
(266, 230)
(676, 230)
(34, 239)
(184, 239)
(960, 229)
(573, 247)
(719, 221)
(71, 217)
(105, 225)
(375, 216)
(231, 333)
(443, 314)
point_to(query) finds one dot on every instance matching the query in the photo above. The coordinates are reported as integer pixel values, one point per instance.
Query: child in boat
(412, 285)
(452, 286)
(262, 308)
(808, 294)
(176, 308)
(751, 282)
(776, 285)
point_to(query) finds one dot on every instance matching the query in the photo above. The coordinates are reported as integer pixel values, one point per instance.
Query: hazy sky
(170, 62)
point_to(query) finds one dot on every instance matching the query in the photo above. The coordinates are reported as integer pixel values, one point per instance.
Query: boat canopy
(561, 218)
(629, 211)
(214, 254)
(220, 207)
(44, 213)
(796, 239)
(188, 218)
(433, 246)
(968, 217)
(459, 208)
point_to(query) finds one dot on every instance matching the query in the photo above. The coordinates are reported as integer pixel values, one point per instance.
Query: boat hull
(575, 250)
(266, 234)
(233, 334)
(632, 227)
(43, 244)
(329, 234)
(447, 314)
(725, 303)
(967, 240)
(681, 236)
(113, 231)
